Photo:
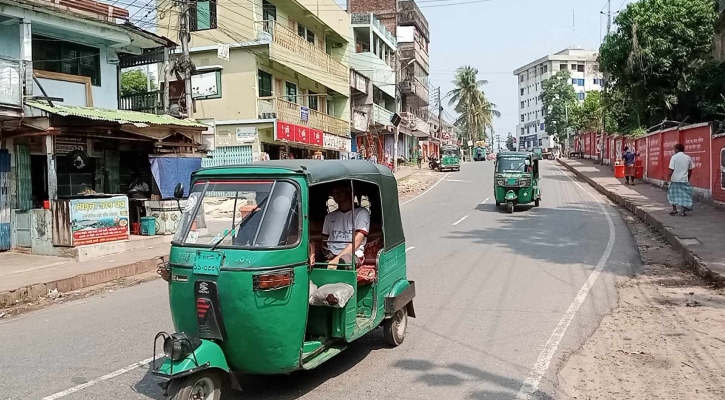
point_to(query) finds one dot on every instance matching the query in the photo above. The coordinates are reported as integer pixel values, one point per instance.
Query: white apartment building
(585, 76)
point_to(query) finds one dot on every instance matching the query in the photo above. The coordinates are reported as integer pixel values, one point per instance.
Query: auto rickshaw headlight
(499, 182)
(179, 345)
(524, 181)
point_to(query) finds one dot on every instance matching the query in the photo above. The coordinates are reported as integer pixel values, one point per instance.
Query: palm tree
(476, 111)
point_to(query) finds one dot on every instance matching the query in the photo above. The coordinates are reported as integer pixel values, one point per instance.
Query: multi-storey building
(585, 76)
(410, 27)
(284, 87)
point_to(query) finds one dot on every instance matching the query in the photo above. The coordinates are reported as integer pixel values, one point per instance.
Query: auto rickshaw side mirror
(179, 191)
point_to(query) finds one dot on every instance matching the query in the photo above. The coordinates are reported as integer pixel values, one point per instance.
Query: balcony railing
(416, 123)
(381, 115)
(410, 14)
(369, 19)
(149, 102)
(273, 107)
(290, 40)
(414, 50)
(415, 87)
(11, 82)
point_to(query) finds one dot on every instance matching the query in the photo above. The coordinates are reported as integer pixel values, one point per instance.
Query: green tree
(133, 82)
(654, 58)
(559, 101)
(589, 115)
(476, 111)
(510, 145)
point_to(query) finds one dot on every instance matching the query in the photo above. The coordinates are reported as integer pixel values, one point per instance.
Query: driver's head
(341, 193)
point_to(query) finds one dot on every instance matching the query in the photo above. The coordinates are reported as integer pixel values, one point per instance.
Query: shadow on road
(458, 374)
(285, 387)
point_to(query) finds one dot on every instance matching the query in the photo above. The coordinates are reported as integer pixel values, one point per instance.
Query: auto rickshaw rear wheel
(203, 385)
(536, 202)
(394, 328)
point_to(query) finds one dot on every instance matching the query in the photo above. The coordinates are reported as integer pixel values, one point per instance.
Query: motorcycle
(432, 162)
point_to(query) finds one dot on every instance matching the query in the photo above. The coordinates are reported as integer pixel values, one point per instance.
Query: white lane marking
(485, 200)
(460, 220)
(531, 384)
(429, 189)
(456, 180)
(102, 378)
(409, 248)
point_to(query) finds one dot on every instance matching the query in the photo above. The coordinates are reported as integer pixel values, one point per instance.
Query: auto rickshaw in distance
(516, 179)
(450, 158)
(241, 276)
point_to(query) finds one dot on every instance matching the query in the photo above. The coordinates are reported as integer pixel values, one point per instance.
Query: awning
(122, 117)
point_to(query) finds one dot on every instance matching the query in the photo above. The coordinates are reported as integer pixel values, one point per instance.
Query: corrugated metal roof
(136, 118)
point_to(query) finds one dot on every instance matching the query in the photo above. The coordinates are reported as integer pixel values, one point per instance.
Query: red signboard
(315, 137)
(697, 146)
(654, 156)
(302, 134)
(588, 144)
(285, 131)
(718, 169)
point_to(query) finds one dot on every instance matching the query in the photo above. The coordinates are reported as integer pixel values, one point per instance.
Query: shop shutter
(4, 200)
(232, 155)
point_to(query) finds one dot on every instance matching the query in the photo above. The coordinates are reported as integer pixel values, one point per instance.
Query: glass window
(202, 15)
(306, 33)
(573, 67)
(580, 68)
(269, 11)
(291, 91)
(55, 55)
(264, 82)
(312, 101)
(582, 95)
(562, 67)
(245, 214)
(511, 164)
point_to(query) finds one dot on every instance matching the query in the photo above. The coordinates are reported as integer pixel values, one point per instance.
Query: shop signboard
(99, 220)
(304, 114)
(302, 134)
(246, 135)
(284, 131)
(65, 145)
(316, 137)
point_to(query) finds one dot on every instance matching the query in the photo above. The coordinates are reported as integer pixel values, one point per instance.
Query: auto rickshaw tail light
(273, 281)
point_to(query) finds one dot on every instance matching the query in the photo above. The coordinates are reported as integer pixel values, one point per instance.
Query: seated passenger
(339, 228)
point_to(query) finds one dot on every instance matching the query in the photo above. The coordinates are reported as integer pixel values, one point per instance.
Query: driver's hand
(333, 263)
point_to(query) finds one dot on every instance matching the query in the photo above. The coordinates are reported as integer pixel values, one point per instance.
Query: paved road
(502, 299)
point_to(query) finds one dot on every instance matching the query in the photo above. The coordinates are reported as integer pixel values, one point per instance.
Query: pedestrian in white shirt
(679, 192)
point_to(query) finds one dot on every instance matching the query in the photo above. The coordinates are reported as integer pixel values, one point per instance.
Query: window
(521, 78)
(522, 91)
(580, 68)
(562, 67)
(522, 117)
(573, 67)
(599, 81)
(269, 11)
(291, 91)
(580, 82)
(522, 131)
(206, 85)
(535, 128)
(257, 214)
(522, 104)
(543, 112)
(581, 95)
(306, 33)
(546, 68)
(264, 83)
(312, 101)
(202, 15)
(55, 55)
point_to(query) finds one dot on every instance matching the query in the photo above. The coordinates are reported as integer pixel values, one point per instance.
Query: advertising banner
(99, 220)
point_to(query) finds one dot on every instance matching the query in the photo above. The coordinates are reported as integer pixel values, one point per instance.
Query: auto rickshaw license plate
(512, 181)
(207, 263)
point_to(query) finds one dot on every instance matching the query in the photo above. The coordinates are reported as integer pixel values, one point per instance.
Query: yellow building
(284, 89)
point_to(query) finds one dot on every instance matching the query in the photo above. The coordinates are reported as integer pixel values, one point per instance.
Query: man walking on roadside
(679, 192)
(629, 168)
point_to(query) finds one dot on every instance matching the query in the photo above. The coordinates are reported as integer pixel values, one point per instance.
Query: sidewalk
(25, 277)
(698, 237)
(405, 171)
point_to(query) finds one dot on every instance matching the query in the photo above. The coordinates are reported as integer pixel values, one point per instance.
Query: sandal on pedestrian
(673, 212)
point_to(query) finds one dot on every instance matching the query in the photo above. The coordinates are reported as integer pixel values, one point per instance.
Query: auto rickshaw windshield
(241, 214)
(450, 152)
(512, 164)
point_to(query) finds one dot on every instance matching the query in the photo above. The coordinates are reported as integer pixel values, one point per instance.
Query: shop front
(291, 141)
(86, 176)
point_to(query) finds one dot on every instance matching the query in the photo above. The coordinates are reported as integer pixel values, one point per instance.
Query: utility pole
(606, 84)
(440, 118)
(397, 109)
(184, 36)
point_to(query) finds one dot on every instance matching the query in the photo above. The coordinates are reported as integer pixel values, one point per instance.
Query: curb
(40, 290)
(697, 265)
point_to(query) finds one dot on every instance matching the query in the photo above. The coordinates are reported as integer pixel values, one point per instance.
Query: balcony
(148, 102)
(417, 125)
(413, 50)
(11, 86)
(273, 107)
(414, 86)
(360, 120)
(381, 116)
(369, 19)
(359, 82)
(410, 15)
(295, 52)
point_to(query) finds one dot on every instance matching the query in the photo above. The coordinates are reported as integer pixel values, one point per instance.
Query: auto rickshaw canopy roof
(521, 154)
(318, 172)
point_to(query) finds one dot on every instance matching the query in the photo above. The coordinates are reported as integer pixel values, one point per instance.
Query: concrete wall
(10, 40)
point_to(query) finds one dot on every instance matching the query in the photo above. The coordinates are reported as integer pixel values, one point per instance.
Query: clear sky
(498, 36)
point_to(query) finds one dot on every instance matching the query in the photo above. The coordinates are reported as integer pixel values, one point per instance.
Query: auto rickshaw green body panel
(450, 158)
(516, 179)
(277, 331)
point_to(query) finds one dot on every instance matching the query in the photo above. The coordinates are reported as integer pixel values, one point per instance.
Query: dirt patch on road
(417, 183)
(666, 340)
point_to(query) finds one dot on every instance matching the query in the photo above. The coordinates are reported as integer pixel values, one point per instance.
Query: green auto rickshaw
(516, 179)
(479, 153)
(538, 153)
(450, 158)
(245, 291)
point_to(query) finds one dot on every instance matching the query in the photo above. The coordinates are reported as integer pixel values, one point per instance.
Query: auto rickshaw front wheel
(536, 202)
(510, 207)
(203, 385)
(394, 328)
